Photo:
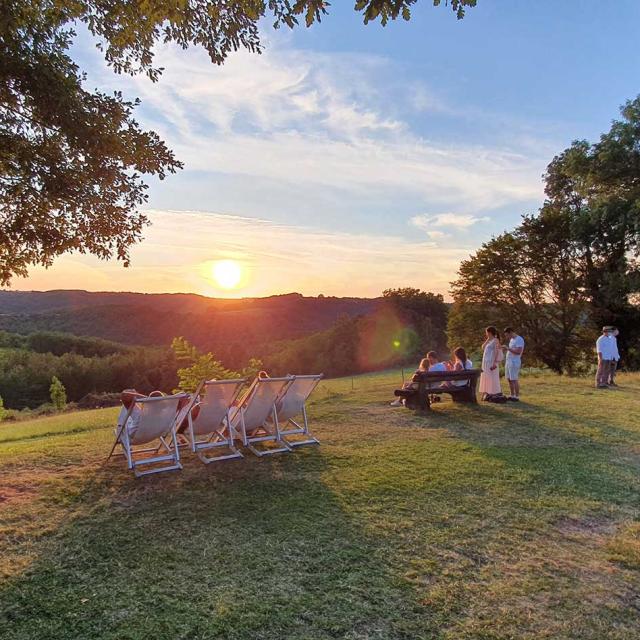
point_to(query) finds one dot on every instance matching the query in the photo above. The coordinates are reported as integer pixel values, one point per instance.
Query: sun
(227, 273)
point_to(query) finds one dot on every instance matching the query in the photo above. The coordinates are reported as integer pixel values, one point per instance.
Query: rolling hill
(154, 319)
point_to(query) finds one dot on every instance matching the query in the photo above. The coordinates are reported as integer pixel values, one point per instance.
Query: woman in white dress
(491, 356)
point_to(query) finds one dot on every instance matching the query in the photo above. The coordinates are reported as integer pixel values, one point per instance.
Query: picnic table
(430, 384)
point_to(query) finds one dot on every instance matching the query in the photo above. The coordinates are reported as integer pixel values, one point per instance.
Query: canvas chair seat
(151, 421)
(292, 404)
(209, 430)
(254, 419)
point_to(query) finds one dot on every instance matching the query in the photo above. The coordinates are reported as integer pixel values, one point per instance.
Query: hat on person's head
(608, 328)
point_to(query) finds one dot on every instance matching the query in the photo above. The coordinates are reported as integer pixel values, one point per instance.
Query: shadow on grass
(246, 549)
(343, 541)
(553, 451)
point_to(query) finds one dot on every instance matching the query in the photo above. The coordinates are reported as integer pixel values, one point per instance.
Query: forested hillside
(286, 334)
(84, 365)
(234, 329)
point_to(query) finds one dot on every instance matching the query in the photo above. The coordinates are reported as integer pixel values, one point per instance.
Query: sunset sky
(348, 159)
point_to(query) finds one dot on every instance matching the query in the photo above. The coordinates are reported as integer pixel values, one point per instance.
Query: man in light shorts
(606, 357)
(613, 336)
(513, 362)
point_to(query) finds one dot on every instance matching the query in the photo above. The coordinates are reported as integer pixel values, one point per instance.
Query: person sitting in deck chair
(129, 397)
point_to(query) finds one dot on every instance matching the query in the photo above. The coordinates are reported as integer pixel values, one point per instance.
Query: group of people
(458, 362)
(608, 357)
(493, 353)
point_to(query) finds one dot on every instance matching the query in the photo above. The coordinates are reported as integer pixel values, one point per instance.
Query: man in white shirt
(604, 349)
(513, 362)
(434, 363)
(616, 357)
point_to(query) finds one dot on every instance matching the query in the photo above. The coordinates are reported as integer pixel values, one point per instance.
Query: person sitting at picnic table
(434, 366)
(413, 383)
(434, 363)
(459, 362)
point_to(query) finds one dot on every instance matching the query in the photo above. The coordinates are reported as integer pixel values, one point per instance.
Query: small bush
(58, 394)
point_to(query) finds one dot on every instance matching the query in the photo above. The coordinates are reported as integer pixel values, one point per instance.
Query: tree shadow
(245, 549)
(382, 533)
(556, 452)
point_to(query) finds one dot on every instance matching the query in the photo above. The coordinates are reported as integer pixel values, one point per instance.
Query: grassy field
(495, 521)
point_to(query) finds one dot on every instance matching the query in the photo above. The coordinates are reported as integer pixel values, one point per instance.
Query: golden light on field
(227, 273)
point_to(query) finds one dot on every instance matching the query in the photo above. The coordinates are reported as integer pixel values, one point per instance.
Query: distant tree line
(61, 343)
(407, 324)
(25, 376)
(566, 271)
(234, 330)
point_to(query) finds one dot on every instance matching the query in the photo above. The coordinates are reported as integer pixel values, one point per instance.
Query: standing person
(491, 355)
(616, 357)
(604, 349)
(513, 362)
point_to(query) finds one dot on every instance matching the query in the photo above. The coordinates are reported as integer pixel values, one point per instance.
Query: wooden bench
(429, 384)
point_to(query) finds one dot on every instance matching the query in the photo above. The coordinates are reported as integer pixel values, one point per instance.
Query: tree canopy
(528, 278)
(72, 161)
(572, 267)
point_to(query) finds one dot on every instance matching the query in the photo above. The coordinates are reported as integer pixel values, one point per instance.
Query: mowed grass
(489, 521)
(61, 423)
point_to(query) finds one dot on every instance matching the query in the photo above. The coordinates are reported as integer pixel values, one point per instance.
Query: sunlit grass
(471, 522)
(57, 424)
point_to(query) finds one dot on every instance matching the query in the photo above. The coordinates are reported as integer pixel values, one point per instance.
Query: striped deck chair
(209, 430)
(254, 420)
(291, 404)
(151, 421)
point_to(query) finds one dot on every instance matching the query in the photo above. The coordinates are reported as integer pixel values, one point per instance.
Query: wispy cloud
(327, 121)
(457, 221)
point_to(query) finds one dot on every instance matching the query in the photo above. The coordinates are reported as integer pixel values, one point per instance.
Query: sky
(347, 159)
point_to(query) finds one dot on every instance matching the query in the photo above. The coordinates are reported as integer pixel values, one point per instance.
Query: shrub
(58, 394)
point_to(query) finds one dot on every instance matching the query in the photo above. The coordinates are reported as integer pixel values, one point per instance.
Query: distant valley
(214, 324)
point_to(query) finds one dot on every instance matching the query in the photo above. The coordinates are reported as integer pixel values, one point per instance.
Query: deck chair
(209, 430)
(254, 420)
(157, 424)
(291, 404)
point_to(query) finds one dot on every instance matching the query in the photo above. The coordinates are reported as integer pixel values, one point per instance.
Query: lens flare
(384, 340)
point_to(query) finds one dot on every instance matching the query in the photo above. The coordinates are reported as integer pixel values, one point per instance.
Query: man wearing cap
(604, 349)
